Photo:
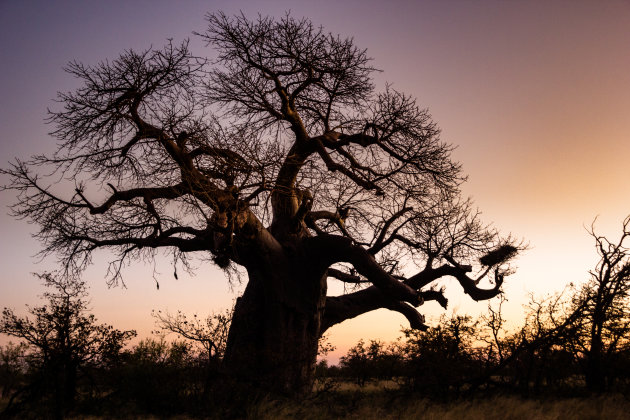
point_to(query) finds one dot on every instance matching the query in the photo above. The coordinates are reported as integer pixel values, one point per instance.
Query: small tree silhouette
(602, 331)
(210, 332)
(63, 339)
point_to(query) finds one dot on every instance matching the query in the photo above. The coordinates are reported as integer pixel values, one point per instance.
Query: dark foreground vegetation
(569, 359)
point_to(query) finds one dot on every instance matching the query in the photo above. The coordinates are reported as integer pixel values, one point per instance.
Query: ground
(382, 402)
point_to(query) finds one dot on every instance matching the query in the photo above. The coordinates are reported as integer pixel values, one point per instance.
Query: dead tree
(602, 330)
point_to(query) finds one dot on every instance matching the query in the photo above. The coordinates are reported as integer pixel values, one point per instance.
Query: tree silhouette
(279, 157)
(62, 340)
(601, 332)
(12, 367)
(444, 356)
(210, 333)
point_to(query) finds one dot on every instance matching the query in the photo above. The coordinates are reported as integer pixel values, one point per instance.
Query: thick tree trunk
(595, 376)
(272, 343)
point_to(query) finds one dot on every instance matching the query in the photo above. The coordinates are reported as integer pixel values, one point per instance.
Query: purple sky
(535, 95)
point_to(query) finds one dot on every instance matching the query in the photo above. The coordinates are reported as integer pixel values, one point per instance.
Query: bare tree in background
(601, 331)
(280, 157)
(210, 332)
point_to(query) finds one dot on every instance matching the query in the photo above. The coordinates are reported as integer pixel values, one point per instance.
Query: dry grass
(499, 408)
(348, 386)
(375, 403)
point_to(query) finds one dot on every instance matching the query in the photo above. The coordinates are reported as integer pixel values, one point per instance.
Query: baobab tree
(279, 157)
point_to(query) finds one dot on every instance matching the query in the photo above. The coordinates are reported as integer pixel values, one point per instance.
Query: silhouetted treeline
(154, 376)
(549, 353)
(456, 357)
(66, 363)
(571, 341)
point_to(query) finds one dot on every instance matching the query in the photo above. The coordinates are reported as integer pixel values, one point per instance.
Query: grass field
(381, 407)
(380, 403)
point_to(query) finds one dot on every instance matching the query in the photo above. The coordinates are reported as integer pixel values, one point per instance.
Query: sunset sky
(534, 94)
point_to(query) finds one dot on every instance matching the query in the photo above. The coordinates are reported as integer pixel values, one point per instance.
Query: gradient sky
(534, 94)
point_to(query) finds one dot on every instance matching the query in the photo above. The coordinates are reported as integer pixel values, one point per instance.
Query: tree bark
(273, 339)
(595, 375)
